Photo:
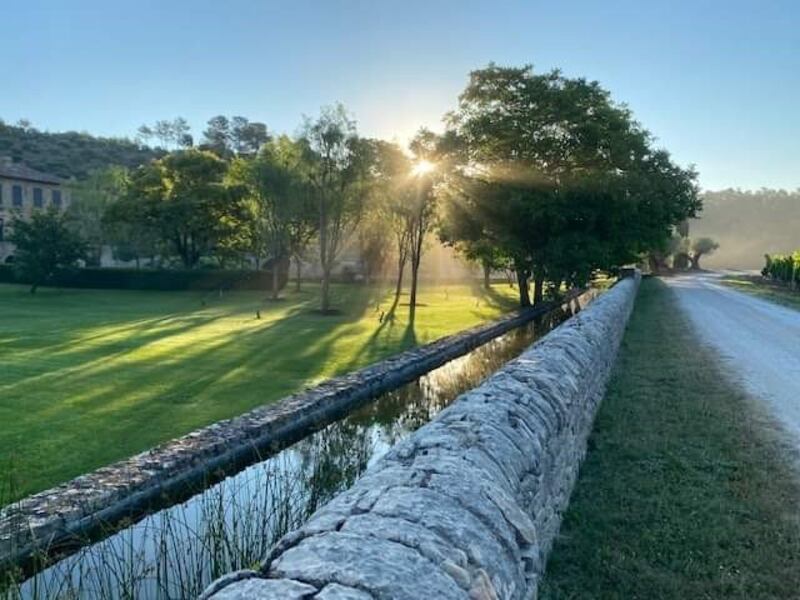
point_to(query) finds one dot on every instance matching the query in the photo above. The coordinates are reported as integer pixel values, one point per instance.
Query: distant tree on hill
(44, 244)
(237, 136)
(171, 134)
(71, 154)
(700, 247)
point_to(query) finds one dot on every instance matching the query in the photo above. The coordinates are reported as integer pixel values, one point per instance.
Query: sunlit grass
(89, 377)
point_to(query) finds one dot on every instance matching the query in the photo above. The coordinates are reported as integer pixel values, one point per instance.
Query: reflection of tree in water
(332, 460)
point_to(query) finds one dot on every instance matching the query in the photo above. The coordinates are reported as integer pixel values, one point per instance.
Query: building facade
(22, 191)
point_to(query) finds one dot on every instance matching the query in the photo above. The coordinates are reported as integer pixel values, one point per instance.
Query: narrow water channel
(176, 552)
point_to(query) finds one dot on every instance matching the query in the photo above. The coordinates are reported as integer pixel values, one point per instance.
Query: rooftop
(12, 170)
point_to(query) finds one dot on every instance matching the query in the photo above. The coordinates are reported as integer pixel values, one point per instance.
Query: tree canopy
(557, 178)
(45, 243)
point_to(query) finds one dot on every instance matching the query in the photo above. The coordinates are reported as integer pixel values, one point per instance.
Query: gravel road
(758, 340)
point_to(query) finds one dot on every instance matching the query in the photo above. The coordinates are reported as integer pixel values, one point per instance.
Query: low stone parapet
(469, 505)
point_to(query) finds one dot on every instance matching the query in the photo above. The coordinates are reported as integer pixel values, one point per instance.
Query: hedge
(155, 279)
(783, 267)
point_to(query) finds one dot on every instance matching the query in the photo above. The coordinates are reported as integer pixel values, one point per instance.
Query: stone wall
(469, 505)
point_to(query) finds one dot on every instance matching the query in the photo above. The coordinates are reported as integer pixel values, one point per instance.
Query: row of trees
(682, 252)
(540, 174)
(225, 137)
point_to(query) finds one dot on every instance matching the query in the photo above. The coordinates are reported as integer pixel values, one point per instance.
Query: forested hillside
(748, 225)
(69, 154)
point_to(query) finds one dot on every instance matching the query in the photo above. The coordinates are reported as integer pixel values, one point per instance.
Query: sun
(422, 167)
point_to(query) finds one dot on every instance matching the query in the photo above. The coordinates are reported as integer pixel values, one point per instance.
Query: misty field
(90, 377)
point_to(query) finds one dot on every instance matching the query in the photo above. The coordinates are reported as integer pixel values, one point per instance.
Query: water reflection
(178, 551)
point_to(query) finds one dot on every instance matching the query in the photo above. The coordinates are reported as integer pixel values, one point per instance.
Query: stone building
(22, 191)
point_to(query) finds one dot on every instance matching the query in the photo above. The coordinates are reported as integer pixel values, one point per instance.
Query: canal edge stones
(469, 505)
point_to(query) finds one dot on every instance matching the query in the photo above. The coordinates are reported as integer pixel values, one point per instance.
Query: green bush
(152, 279)
(783, 267)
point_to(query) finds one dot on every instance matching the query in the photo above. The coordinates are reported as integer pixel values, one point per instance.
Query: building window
(16, 196)
(38, 201)
(1, 228)
(57, 198)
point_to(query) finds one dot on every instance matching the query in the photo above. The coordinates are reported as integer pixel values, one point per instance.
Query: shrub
(152, 279)
(783, 267)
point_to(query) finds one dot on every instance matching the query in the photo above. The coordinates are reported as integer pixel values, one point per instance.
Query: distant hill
(748, 225)
(70, 154)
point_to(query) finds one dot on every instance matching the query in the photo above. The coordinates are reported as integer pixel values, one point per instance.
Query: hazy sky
(718, 82)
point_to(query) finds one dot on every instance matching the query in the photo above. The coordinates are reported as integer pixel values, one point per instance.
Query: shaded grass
(682, 494)
(764, 289)
(90, 376)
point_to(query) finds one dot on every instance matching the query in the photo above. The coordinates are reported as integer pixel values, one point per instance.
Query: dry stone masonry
(469, 505)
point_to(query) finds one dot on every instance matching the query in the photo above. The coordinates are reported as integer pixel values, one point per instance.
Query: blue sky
(718, 82)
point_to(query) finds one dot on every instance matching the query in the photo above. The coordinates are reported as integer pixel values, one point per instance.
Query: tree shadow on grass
(104, 414)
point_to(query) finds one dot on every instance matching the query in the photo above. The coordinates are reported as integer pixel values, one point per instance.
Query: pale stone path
(758, 340)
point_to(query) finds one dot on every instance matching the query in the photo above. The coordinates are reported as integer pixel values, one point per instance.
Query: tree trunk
(538, 289)
(522, 284)
(401, 267)
(695, 260)
(34, 287)
(487, 273)
(275, 279)
(298, 268)
(412, 303)
(325, 301)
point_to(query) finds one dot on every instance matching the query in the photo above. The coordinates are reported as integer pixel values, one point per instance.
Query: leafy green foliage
(71, 154)
(338, 165)
(45, 244)
(783, 267)
(282, 215)
(184, 201)
(557, 178)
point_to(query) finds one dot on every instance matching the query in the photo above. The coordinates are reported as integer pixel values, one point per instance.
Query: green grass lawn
(683, 493)
(763, 288)
(90, 376)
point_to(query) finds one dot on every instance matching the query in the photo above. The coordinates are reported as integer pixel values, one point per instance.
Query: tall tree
(577, 175)
(276, 185)
(338, 166)
(421, 208)
(247, 137)
(216, 136)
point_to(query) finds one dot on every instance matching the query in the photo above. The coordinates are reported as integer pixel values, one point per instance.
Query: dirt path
(758, 340)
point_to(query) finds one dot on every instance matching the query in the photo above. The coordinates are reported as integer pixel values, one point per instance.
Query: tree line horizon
(540, 174)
